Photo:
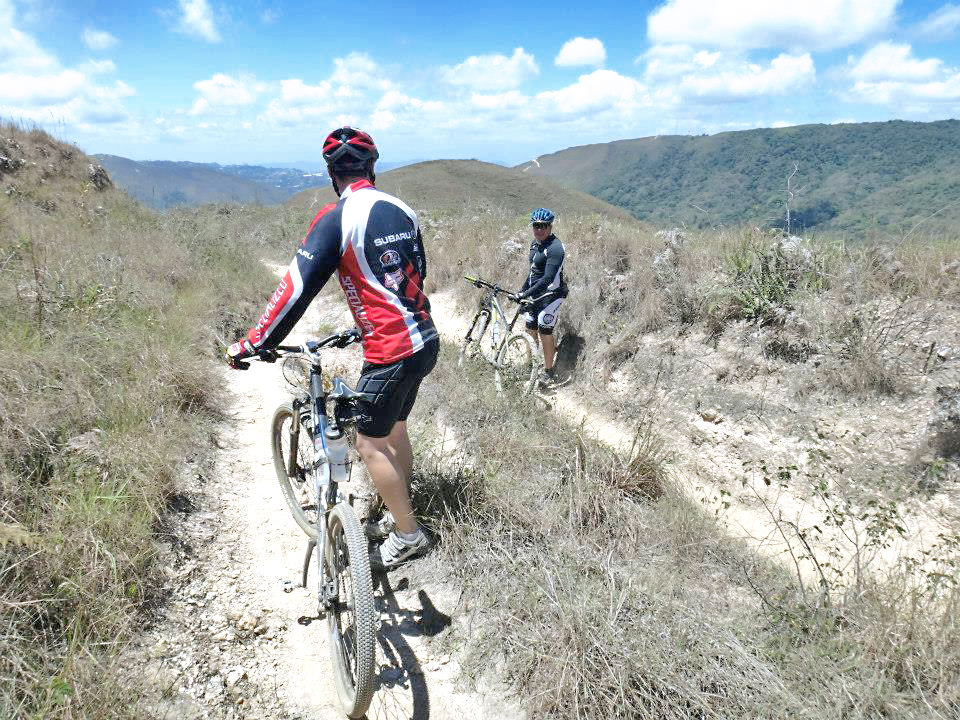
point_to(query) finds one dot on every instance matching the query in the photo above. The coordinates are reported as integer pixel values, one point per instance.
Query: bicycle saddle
(342, 391)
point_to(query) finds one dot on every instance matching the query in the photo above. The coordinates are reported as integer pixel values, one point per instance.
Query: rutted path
(748, 514)
(237, 637)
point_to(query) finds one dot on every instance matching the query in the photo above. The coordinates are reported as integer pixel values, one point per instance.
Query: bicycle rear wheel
(516, 364)
(351, 619)
(292, 457)
(471, 342)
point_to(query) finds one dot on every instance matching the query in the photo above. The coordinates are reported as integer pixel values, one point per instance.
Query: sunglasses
(541, 225)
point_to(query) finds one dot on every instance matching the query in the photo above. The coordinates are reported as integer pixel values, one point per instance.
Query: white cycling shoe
(396, 550)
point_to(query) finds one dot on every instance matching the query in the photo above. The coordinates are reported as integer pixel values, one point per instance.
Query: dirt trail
(747, 514)
(238, 637)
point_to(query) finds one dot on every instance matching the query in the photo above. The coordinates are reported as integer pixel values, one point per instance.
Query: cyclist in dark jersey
(372, 240)
(545, 287)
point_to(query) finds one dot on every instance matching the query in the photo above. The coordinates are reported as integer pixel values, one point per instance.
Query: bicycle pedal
(379, 529)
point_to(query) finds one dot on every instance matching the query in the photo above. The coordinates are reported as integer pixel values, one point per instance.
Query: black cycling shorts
(543, 315)
(391, 390)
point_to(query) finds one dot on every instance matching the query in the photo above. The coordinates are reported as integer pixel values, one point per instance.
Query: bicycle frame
(327, 473)
(499, 325)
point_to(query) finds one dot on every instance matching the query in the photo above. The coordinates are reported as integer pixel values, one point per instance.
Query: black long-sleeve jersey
(546, 269)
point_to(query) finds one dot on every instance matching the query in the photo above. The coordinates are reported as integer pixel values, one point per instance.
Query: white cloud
(888, 74)
(19, 51)
(783, 74)
(285, 115)
(351, 90)
(492, 72)
(888, 61)
(810, 25)
(355, 72)
(916, 96)
(581, 51)
(97, 67)
(34, 86)
(224, 91)
(600, 90)
(98, 39)
(295, 92)
(397, 108)
(41, 89)
(678, 73)
(67, 95)
(944, 23)
(197, 20)
(508, 100)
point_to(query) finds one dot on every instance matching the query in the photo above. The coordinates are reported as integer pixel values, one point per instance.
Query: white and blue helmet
(541, 215)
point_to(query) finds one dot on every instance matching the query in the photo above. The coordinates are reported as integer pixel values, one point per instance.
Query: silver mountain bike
(491, 336)
(313, 456)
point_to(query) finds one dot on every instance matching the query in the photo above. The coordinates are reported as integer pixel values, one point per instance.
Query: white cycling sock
(409, 537)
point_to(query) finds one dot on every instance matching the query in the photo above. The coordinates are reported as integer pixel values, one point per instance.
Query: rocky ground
(238, 637)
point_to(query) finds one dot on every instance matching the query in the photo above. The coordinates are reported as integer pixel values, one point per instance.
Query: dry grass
(597, 595)
(111, 315)
(595, 588)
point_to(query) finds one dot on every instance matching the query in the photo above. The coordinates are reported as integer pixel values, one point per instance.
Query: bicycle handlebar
(481, 283)
(338, 340)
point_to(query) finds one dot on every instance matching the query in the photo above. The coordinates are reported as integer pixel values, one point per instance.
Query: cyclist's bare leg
(388, 460)
(401, 443)
(532, 332)
(549, 350)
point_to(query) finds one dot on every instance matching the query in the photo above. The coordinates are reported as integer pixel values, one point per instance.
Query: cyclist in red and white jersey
(372, 241)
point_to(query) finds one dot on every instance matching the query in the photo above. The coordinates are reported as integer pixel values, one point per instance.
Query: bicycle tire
(351, 621)
(471, 341)
(295, 482)
(516, 366)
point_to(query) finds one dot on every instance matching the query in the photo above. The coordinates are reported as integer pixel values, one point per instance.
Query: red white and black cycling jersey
(373, 241)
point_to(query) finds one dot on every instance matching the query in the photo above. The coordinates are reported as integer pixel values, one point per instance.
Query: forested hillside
(855, 179)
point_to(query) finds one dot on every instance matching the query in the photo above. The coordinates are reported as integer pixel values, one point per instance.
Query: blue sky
(262, 81)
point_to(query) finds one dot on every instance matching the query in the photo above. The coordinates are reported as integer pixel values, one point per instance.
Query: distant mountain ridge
(165, 183)
(851, 178)
(468, 188)
(161, 184)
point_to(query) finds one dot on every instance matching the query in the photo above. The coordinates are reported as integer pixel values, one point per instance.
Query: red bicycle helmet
(349, 146)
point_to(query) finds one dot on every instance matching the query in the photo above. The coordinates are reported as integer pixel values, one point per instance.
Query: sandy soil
(710, 447)
(237, 636)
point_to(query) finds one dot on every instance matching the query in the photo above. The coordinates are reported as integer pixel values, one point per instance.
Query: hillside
(468, 187)
(162, 184)
(108, 394)
(742, 504)
(852, 178)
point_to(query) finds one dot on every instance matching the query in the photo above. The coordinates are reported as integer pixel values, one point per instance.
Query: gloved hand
(237, 352)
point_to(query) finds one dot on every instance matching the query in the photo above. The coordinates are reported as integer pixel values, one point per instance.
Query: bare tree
(792, 192)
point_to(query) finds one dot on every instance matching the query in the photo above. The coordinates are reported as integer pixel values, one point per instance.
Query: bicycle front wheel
(292, 448)
(351, 618)
(471, 342)
(516, 364)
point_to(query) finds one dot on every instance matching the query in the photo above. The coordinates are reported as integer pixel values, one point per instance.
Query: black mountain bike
(312, 452)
